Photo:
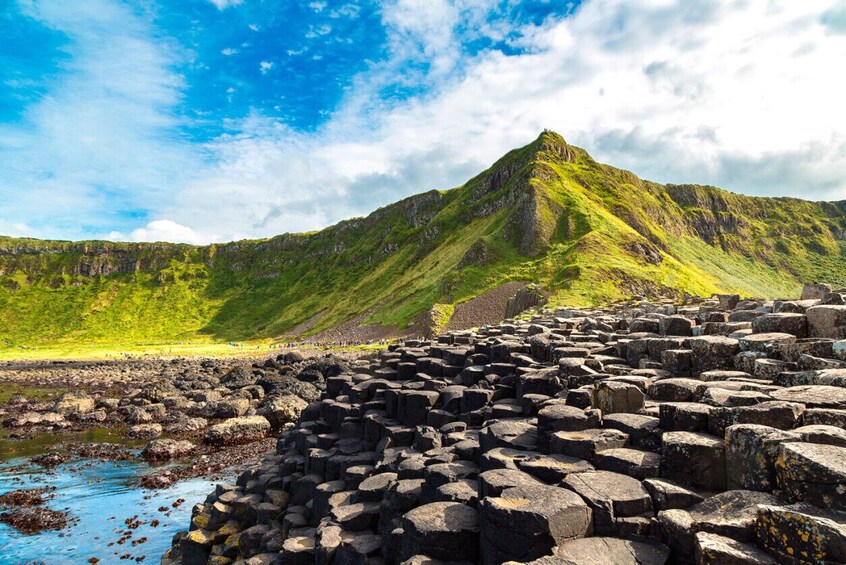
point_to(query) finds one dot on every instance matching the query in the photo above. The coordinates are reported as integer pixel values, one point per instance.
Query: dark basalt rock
(648, 433)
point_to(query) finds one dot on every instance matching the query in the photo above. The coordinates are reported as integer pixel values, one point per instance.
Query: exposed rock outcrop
(649, 433)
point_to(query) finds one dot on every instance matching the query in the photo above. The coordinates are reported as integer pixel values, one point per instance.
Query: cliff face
(546, 213)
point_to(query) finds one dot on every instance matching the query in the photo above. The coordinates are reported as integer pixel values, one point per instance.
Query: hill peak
(545, 213)
(551, 145)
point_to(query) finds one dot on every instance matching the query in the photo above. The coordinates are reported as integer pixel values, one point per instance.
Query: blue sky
(212, 120)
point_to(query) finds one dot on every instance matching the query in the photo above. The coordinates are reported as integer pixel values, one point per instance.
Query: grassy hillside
(546, 213)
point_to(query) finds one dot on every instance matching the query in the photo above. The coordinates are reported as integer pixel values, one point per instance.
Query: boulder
(713, 352)
(144, 431)
(788, 323)
(238, 430)
(28, 419)
(167, 449)
(631, 462)
(280, 410)
(813, 396)
(74, 403)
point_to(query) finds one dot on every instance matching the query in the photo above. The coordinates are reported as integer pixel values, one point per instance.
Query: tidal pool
(99, 496)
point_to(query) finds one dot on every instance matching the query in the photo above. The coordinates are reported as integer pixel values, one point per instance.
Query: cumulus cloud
(736, 95)
(105, 141)
(742, 95)
(167, 230)
(265, 67)
(16, 229)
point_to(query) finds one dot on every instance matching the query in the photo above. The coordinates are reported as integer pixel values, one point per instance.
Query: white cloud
(223, 4)
(253, 27)
(106, 123)
(317, 6)
(740, 95)
(347, 10)
(229, 51)
(317, 31)
(168, 230)
(16, 229)
(737, 95)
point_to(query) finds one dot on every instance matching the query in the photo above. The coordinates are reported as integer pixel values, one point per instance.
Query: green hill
(546, 213)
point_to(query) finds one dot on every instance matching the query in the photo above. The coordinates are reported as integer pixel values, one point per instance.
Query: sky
(205, 121)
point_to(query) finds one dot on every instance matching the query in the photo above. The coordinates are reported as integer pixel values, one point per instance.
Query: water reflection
(101, 496)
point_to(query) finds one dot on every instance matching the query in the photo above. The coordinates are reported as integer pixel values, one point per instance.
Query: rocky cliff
(546, 214)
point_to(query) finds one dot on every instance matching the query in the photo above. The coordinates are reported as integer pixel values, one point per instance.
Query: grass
(71, 350)
(546, 213)
(39, 394)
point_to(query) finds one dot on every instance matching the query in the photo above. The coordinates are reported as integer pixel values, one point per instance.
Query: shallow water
(101, 496)
(13, 448)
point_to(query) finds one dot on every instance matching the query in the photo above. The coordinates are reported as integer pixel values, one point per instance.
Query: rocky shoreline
(647, 433)
(193, 417)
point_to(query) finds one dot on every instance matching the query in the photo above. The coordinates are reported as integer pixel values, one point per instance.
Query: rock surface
(648, 433)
